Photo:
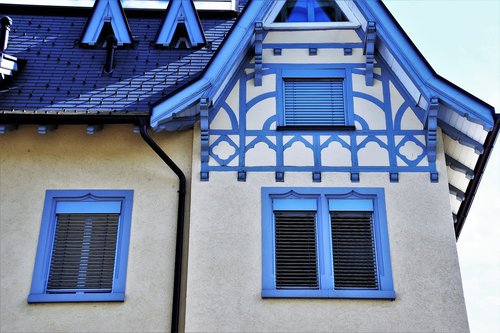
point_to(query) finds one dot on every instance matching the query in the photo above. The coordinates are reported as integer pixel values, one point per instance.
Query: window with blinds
(83, 247)
(83, 254)
(314, 102)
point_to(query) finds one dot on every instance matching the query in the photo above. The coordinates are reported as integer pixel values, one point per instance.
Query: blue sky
(461, 41)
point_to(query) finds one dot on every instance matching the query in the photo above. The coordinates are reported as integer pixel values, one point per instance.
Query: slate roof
(61, 77)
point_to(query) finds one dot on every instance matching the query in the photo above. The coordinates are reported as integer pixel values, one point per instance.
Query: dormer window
(310, 11)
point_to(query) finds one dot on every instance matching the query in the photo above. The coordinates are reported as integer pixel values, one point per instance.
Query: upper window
(314, 99)
(310, 11)
(325, 243)
(83, 246)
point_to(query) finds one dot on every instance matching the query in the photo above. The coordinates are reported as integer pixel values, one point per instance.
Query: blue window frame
(83, 246)
(314, 99)
(310, 11)
(325, 243)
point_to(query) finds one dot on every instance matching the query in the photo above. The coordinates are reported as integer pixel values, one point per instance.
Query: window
(325, 243)
(314, 99)
(83, 246)
(310, 11)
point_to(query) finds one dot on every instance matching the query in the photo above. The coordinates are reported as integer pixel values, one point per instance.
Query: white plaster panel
(411, 150)
(221, 120)
(260, 113)
(268, 85)
(318, 36)
(336, 155)
(377, 70)
(260, 155)
(225, 260)
(409, 121)
(233, 99)
(371, 113)
(396, 99)
(359, 84)
(373, 155)
(298, 155)
(68, 158)
(324, 56)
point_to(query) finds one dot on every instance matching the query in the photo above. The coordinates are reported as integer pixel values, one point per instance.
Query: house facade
(231, 166)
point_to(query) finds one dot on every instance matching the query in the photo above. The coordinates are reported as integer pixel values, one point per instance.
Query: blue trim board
(458, 166)
(82, 201)
(324, 200)
(455, 134)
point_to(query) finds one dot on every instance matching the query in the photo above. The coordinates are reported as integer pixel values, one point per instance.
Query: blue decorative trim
(78, 201)
(277, 51)
(394, 177)
(181, 12)
(321, 198)
(204, 176)
(279, 176)
(291, 46)
(93, 129)
(7, 128)
(460, 137)
(347, 51)
(259, 37)
(44, 129)
(316, 177)
(369, 51)
(434, 177)
(355, 177)
(460, 195)
(313, 51)
(107, 11)
(204, 137)
(458, 166)
(431, 137)
(242, 176)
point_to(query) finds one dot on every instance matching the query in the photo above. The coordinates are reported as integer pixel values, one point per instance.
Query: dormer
(181, 27)
(8, 63)
(108, 18)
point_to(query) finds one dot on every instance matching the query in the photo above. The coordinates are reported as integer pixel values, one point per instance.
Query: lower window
(83, 246)
(325, 243)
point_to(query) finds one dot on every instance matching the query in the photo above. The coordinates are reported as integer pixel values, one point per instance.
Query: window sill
(311, 25)
(65, 298)
(346, 294)
(316, 128)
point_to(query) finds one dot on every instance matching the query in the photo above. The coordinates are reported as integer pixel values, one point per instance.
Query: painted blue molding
(279, 176)
(242, 176)
(204, 137)
(394, 177)
(44, 129)
(369, 51)
(107, 12)
(434, 177)
(313, 51)
(204, 176)
(347, 51)
(277, 51)
(259, 37)
(82, 201)
(181, 16)
(431, 125)
(460, 195)
(460, 137)
(355, 177)
(93, 129)
(458, 166)
(316, 177)
(6, 128)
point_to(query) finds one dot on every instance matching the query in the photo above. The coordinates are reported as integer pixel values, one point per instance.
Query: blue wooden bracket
(277, 51)
(93, 129)
(434, 177)
(242, 176)
(316, 177)
(458, 166)
(431, 125)
(369, 51)
(355, 177)
(204, 137)
(456, 192)
(44, 129)
(279, 176)
(259, 37)
(6, 128)
(394, 177)
(313, 51)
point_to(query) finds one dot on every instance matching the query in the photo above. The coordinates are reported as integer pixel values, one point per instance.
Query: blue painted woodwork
(204, 137)
(316, 177)
(242, 176)
(355, 177)
(347, 51)
(313, 51)
(434, 176)
(461, 137)
(280, 176)
(259, 37)
(107, 11)
(431, 125)
(460, 167)
(309, 11)
(369, 51)
(394, 177)
(82, 201)
(324, 200)
(460, 195)
(277, 51)
(44, 129)
(6, 128)
(181, 14)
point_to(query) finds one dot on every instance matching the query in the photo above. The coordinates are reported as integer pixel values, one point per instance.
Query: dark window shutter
(83, 254)
(354, 262)
(296, 254)
(314, 102)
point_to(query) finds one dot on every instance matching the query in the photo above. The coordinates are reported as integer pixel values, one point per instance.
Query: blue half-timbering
(389, 133)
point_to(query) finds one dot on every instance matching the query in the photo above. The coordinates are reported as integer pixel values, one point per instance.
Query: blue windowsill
(89, 297)
(347, 294)
(315, 128)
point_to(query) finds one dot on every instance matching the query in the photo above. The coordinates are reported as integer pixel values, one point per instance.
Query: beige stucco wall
(114, 158)
(225, 259)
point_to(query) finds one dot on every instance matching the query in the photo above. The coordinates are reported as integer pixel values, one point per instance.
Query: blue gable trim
(218, 72)
(421, 73)
(181, 12)
(107, 11)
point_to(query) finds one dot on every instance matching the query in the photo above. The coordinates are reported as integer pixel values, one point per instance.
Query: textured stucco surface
(114, 158)
(225, 264)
